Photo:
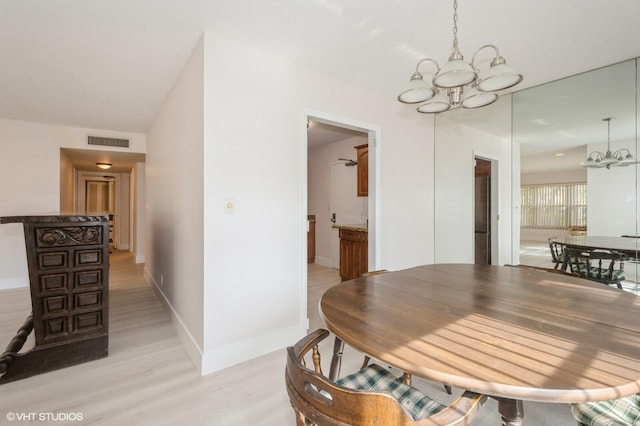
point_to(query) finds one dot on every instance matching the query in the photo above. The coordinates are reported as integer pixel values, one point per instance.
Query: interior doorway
(100, 199)
(107, 194)
(485, 202)
(336, 166)
(125, 181)
(482, 212)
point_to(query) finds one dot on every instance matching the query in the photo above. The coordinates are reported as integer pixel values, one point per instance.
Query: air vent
(121, 143)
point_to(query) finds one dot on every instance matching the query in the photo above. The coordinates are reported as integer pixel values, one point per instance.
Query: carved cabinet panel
(69, 263)
(68, 260)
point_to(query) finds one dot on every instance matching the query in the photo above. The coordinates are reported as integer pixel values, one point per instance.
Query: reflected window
(554, 206)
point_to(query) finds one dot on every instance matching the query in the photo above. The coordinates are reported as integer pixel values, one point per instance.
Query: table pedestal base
(336, 360)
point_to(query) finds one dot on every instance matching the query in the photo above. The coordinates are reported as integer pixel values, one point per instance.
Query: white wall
(456, 147)
(174, 189)
(557, 176)
(30, 172)
(66, 184)
(321, 163)
(255, 153)
(612, 196)
(140, 212)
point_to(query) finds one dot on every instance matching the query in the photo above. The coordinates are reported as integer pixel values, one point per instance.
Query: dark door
(482, 194)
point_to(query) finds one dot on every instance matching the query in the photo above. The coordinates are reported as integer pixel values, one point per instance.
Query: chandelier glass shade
(619, 158)
(458, 83)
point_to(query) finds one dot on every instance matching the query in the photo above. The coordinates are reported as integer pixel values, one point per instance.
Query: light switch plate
(229, 205)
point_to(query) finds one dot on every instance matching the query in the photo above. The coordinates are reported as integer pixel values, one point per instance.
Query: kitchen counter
(361, 227)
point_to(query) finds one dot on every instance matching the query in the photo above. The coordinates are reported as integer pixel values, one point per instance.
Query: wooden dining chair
(623, 411)
(603, 266)
(370, 396)
(557, 253)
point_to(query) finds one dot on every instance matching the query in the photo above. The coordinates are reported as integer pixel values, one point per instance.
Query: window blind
(553, 206)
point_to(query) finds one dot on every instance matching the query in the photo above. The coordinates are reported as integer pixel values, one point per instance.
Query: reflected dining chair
(623, 411)
(557, 253)
(603, 266)
(370, 396)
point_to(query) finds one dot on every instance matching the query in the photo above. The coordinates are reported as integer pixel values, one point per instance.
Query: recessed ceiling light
(559, 154)
(104, 166)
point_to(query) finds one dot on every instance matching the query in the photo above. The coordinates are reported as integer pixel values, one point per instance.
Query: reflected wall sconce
(619, 158)
(104, 166)
(465, 86)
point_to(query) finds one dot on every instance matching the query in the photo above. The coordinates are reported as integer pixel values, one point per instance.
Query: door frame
(79, 201)
(374, 200)
(495, 206)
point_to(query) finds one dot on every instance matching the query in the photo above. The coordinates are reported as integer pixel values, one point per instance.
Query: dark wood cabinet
(68, 260)
(363, 170)
(354, 260)
(311, 242)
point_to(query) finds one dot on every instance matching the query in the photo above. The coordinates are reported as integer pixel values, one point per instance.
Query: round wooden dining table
(511, 333)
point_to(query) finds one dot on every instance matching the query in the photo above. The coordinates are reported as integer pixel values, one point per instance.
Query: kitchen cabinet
(354, 248)
(362, 157)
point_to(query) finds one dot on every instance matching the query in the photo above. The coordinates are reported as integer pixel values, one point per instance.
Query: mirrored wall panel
(575, 175)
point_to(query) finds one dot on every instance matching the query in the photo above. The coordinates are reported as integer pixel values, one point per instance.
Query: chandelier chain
(455, 25)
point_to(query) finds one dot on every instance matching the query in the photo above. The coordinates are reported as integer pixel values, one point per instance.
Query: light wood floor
(148, 379)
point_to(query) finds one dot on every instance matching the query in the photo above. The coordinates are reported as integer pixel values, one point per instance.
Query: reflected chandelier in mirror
(619, 158)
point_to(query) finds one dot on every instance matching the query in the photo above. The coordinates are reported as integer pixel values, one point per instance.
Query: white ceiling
(319, 134)
(109, 64)
(85, 159)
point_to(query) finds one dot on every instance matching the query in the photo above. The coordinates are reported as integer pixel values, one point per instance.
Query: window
(553, 206)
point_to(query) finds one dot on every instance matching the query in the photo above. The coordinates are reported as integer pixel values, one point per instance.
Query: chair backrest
(597, 265)
(317, 400)
(320, 401)
(556, 251)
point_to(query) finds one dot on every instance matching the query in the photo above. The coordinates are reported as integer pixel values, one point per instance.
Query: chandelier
(462, 82)
(620, 158)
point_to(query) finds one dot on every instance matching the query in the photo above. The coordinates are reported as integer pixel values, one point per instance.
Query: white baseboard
(140, 259)
(216, 359)
(188, 342)
(13, 283)
(323, 261)
(219, 358)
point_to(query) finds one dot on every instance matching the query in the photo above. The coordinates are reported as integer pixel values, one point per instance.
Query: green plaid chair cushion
(623, 411)
(376, 378)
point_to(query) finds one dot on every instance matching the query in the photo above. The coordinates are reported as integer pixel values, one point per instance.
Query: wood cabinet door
(363, 170)
(354, 259)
